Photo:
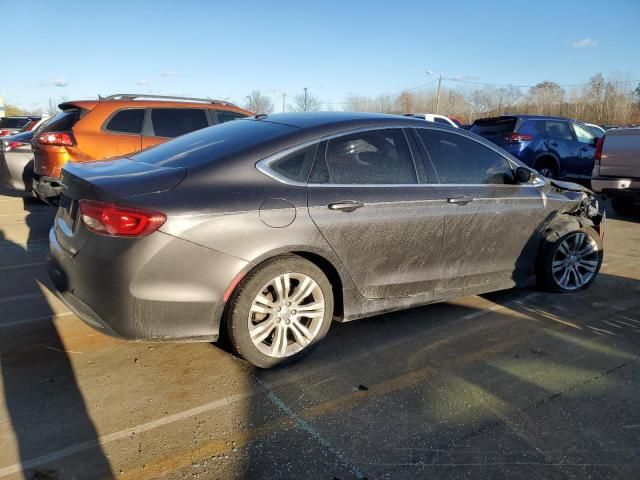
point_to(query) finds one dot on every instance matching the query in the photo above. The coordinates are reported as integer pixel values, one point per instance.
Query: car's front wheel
(280, 311)
(571, 262)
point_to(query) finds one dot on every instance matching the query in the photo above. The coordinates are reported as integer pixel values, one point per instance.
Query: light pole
(306, 105)
(429, 72)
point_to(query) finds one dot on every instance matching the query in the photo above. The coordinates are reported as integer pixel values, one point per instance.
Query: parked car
(271, 227)
(616, 173)
(114, 126)
(596, 130)
(556, 147)
(16, 161)
(434, 117)
(11, 125)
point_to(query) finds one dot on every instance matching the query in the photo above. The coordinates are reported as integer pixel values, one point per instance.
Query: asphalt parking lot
(517, 384)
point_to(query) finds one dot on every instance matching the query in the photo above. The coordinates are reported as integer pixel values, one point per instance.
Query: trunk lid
(107, 181)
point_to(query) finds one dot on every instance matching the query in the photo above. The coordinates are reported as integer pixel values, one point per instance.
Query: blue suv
(557, 147)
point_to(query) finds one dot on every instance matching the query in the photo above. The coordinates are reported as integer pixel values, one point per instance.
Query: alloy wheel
(575, 261)
(546, 172)
(286, 315)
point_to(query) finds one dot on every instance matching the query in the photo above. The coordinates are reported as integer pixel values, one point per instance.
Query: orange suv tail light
(57, 138)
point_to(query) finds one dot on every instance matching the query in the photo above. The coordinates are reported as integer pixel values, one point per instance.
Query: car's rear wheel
(624, 206)
(571, 262)
(280, 312)
(546, 168)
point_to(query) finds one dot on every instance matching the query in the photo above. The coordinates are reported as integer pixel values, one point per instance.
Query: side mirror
(523, 175)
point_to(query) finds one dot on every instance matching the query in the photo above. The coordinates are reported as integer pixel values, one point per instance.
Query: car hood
(570, 186)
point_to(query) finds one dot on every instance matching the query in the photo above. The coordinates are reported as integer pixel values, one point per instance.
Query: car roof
(143, 102)
(339, 120)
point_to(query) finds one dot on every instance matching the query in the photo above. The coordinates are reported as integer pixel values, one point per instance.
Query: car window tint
(63, 121)
(582, 134)
(559, 130)
(9, 122)
(372, 157)
(127, 121)
(209, 145)
(296, 166)
(461, 160)
(224, 116)
(532, 127)
(494, 126)
(173, 122)
(441, 120)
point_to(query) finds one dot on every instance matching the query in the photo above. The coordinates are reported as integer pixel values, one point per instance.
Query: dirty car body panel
(241, 193)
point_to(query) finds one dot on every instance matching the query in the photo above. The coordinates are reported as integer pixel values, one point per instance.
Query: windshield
(211, 143)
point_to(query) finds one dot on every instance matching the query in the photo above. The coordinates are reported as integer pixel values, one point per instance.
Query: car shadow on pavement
(525, 384)
(45, 406)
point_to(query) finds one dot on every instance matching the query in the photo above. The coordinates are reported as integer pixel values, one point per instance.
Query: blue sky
(335, 48)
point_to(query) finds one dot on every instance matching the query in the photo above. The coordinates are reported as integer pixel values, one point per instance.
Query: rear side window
(533, 128)
(559, 130)
(224, 116)
(461, 160)
(296, 166)
(367, 158)
(127, 121)
(173, 122)
(63, 121)
(494, 126)
(13, 122)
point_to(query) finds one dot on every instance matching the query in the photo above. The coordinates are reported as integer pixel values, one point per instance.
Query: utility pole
(306, 105)
(438, 95)
(249, 98)
(284, 99)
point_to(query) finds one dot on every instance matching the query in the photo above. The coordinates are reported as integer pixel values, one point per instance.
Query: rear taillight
(57, 138)
(4, 132)
(598, 154)
(109, 219)
(519, 137)
(12, 145)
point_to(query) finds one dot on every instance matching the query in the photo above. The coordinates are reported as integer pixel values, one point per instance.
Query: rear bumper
(47, 189)
(615, 186)
(159, 288)
(16, 170)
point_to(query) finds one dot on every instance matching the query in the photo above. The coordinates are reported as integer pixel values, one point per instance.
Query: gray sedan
(272, 227)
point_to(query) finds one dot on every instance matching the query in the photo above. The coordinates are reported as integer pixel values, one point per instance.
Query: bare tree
(259, 103)
(305, 102)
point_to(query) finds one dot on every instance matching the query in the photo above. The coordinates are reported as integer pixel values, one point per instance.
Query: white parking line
(21, 297)
(22, 265)
(122, 434)
(35, 319)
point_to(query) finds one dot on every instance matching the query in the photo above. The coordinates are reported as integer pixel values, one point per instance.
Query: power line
(382, 97)
(459, 80)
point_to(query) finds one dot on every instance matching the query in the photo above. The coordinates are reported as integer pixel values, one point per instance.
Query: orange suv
(115, 126)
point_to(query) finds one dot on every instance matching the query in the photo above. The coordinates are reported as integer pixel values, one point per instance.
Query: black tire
(545, 276)
(548, 166)
(623, 206)
(238, 311)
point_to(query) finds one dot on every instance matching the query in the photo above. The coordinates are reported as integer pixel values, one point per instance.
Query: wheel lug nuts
(288, 304)
(287, 322)
(293, 312)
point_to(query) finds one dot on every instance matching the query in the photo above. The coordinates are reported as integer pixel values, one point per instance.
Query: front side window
(461, 160)
(582, 134)
(127, 121)
(371, 157)
(173, 122)
(559, 130)
(296, 166)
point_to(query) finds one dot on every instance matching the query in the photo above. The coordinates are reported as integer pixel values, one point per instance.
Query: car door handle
(346, 206)
(553, 144)
(584, 149)
(461, 200)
